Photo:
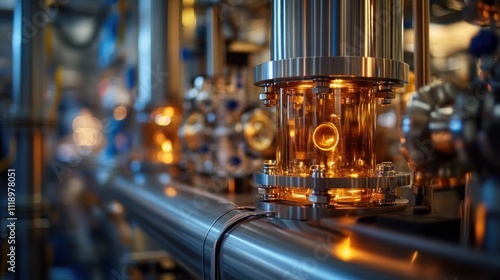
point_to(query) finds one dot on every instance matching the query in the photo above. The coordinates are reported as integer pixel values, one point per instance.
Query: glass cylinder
(332, 129)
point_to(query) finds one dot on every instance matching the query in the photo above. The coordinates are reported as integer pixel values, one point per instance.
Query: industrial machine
(322, 206)
(326, 209)
(332, 64)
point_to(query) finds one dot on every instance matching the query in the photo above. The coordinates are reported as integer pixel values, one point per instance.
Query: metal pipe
(215, 43)
(27, 123)
(421, 54)
(337, 28)
(360, 39)
(187, 223)
(187, 214)
(28, 60)
(152, 55)
(176, 78)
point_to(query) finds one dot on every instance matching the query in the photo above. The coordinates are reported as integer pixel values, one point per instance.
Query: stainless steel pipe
(187, 222)
(27, 124)
(152, 55)
(361, 39)
(337, 28)
(421, 53)
(215, 43)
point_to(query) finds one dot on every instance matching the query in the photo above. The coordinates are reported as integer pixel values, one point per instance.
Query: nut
(315, 198)
(320, 90)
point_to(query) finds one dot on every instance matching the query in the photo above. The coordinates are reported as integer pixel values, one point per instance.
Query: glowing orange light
(305, 86)
(336, 84)
(480, 226)
(299, 195)
(169, 111)
(166, 146)
(344, 249)
(325, 136)
(414, 257)
(162, 120)
(119, 113)
(170, 191)
(159, 138)
(165, 157)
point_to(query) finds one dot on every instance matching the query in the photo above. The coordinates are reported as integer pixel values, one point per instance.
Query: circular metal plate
(335, 67)
(401, 179)
(292, 211)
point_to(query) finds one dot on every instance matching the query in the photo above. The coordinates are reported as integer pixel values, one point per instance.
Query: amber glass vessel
(333, 130)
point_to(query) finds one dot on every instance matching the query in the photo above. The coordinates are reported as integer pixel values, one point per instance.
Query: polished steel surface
(428, 140)
(401, 179)
(186, 222)
(337, 28)
(215, 43)
(335, 39)
(371, 28)
(362, 69)
(302, 212)
(421, 53)
(28, 83)
(303, 29)
(474, 126)
(27, 124)
(152, 61)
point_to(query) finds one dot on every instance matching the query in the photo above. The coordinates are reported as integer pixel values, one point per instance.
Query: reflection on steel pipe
(187, 222)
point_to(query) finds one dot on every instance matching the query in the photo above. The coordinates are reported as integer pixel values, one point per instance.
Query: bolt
(319, 198)
(269, 167)
(322, 87)
(318, 171)
(385, 91)
(268, 97)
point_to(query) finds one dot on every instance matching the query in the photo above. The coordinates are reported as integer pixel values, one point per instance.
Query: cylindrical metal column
(152, 48)
(27, 123)
(341, 39)
(421, 55)
(302, 28)
(215, 44)
(337, 28)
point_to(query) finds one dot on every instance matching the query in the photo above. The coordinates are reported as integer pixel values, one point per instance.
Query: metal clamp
(227, 227)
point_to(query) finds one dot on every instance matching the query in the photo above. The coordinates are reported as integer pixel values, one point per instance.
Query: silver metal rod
(26, 123)
(215, 44)
(176, 78)
(28, 60)
(421, 55)
(152, 55)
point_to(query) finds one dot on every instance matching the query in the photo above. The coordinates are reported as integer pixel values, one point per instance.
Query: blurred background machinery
(243, 139)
